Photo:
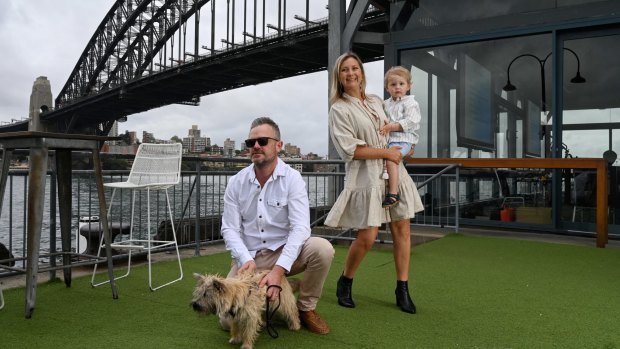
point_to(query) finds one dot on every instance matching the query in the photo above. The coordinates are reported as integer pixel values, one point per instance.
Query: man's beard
(261, 162)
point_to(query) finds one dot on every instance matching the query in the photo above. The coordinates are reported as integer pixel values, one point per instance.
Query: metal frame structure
(349, 30)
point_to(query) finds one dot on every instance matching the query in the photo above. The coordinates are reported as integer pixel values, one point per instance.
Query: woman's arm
(368, 153)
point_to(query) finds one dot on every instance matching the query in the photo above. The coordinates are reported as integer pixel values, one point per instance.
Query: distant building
(312, 156)
(148, 137)
(130, 138)
(114, 133)
(298, 167)
(215, 150)
(245, 152)
(114, 130)
(292, 150)
(229, 147)
(193, 143)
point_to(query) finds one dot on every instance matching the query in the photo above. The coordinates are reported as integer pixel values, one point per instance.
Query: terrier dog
(241, 303)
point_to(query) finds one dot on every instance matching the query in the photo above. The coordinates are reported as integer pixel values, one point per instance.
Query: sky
(46, 38)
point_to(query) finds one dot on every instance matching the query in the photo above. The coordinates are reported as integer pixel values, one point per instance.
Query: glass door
(590, 122)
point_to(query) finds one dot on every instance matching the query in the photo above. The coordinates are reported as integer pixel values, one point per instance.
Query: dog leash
(269, 314)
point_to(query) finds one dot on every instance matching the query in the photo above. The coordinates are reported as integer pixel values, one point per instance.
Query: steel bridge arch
(125, 54)
(130, 64)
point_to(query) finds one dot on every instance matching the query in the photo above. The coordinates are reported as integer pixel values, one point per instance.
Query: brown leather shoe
(313, 322)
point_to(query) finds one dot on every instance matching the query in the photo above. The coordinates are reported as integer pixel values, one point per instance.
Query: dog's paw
(294, 324)
(234, 340)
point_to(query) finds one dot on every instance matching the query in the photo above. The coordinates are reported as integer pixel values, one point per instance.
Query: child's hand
(384, 130)
(387, 128)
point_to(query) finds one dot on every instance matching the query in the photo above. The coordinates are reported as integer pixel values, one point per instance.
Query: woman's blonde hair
(398, 71)
(336, 88)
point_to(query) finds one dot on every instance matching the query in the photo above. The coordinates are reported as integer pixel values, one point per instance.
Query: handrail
(598, 164)
(436, 175)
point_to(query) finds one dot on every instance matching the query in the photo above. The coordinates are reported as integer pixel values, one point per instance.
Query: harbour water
(184, 200)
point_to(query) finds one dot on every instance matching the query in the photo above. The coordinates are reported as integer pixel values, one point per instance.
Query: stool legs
(109, 246)
(147, 244)
(36, 199)
(176, 246)
(104, 220)
(4, 171)
(6, 161)
(63, 170)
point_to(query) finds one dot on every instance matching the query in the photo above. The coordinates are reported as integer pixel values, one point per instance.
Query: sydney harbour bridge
(147, 54)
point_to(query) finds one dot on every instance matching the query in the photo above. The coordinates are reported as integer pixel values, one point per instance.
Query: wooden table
(39, 144)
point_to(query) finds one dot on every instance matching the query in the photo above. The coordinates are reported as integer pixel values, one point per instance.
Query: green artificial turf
(471, 292)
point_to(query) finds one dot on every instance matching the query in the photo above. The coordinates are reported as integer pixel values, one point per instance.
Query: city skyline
(229, 143)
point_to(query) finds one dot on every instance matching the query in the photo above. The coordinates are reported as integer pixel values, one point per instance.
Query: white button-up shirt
(258, 218)
(406, 111)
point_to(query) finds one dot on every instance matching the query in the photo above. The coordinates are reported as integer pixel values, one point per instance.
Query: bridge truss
(149, 53)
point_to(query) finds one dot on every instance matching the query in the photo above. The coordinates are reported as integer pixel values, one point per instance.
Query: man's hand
(248, 266)
(274, 277)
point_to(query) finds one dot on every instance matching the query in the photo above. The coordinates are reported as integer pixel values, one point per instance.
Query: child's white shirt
(406, 111)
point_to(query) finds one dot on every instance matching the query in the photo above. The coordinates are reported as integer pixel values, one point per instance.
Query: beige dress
(353, 122)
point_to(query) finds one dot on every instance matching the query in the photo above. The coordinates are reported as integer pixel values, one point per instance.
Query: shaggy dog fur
(241, 303)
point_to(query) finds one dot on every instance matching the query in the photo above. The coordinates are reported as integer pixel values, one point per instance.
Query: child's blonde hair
(398, 71)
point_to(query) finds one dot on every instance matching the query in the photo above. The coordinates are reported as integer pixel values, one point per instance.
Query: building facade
(503, 80)
(518, 79)
(147, 137)
(194, 143)
(114, 133)
(229, 148)
(292, 150)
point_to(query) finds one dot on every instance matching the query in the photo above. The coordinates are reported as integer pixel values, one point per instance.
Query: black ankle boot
(343, 292)
(403, 300)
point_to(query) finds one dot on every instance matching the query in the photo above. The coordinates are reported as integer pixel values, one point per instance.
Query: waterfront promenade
(419, 235)
(476, 289)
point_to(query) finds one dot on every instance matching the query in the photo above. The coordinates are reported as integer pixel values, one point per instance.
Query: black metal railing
(448, 194)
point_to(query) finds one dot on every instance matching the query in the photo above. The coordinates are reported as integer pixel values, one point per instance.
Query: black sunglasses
(262, 141)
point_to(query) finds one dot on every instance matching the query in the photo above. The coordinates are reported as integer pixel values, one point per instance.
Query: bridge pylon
(40, 101)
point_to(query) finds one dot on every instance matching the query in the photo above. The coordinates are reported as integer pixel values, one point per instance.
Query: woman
(354, 122)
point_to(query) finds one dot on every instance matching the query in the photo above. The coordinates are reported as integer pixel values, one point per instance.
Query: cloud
(42, 38)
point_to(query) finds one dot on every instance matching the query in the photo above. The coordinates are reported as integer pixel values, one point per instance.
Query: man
(266, 224)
